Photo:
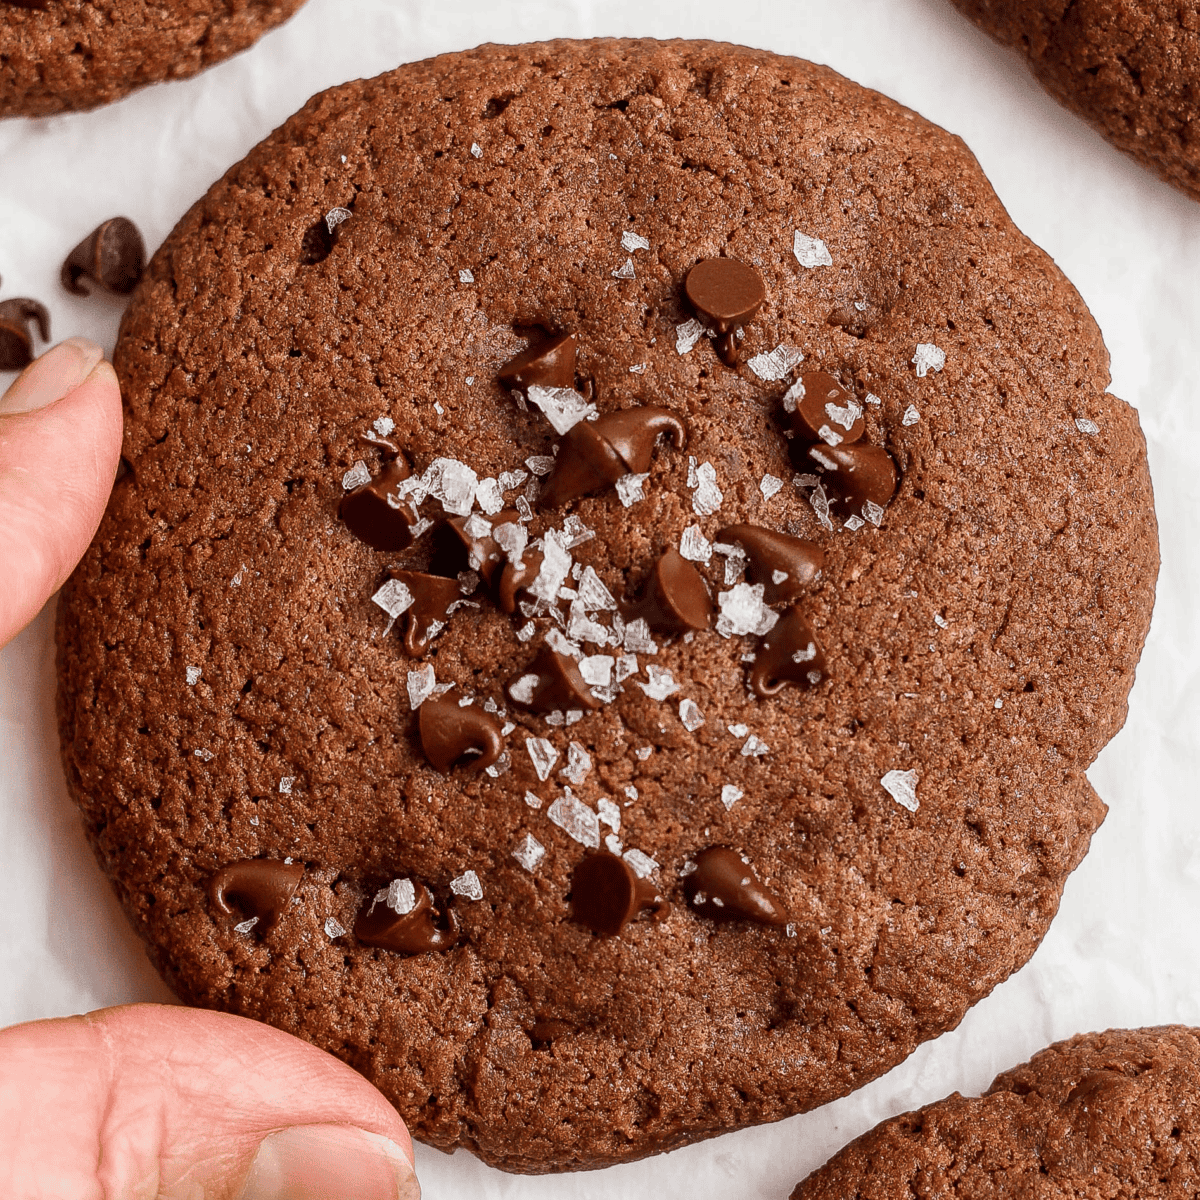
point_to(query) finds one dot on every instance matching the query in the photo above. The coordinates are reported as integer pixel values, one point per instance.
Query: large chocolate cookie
(1130, 68)
(1104, 1114)
(696, 628)
(63, 55)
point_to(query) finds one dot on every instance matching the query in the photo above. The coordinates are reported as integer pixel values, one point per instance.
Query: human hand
(150, 1102)
(60, 440)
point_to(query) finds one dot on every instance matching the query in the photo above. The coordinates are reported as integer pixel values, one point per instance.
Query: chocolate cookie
(1130, 68)
(65, 55)
(675, 677)
(1103, 1114)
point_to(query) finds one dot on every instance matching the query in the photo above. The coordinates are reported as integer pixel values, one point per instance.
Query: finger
(60, 441)
(159, 1103)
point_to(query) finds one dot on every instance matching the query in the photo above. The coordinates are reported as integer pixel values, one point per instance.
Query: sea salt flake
(687, 335)
(524, 508)
(911, 416)
(694, 546)
(466, 276)
(638, 639)
(627, 666)
(529, 852)
(873, 512)
(540, 464)
(582, 628)
(629, 488)
(556, 566)
(741, 609)
(468, 885)
(998, 703)
(844, 415)
(286, 784)
(692, 478)
(871, 398)
(634, 241)
(489, 496)
(940, 621)
(830, 464)
(204, 755)
(334, 928)
(690, 715)
(643, 865)
(639, 368)
(400, 896)
(830, 437)
(777, 577)
(810, 251)
(335, 216)
(1086, 426)
(902, 787)
(575, 819)
(512, 479)
(245, 926)
(739, 730)
(820, 504)
(563, 645)
(572, 715)
(579, 764)
(612, 843)
(526, 631)
(625, 270)
(453, 483)
(564, 408)
(777, 364)
(609, 813)
(631, 791)
(476, 150)
(437, 408)
(476, 526)
(597, 670)
(730, 795)
(512, 539)
(575, 532)
(593, 594)
(928, 356)
(236, 581)
(393, 597)
(707, 497)
(854, 522)
(769, 485)
(358, 476)
(807, 654)
(662, 684)
(522, 689)
(383, 426)
(543, 756)
(643, 753)
(803, 481)
(421, 685)
(533, 800)
(755, 747)
(793, 396)
(501, 766)
(193, 675)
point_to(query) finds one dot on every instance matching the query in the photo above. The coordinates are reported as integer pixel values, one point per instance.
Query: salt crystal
(769, 485)
(610, 814)
(466, 276)
(501, 766)
(204, 755)
(612, 843)
(582, 628)
(741, 609)
(489, 496)
(810, 251)
(556, 565)
(643, 865)
(820, 504)
(592, 592)
(644, 752)
(358, 476)
(564, 407)
(245, 926)
(512, 539)
(998, 703)
(625, 270)
(1086, 426)
(639, 368)
(830, 436)
(690, 715)
(928, 355)
(421, 685)
(579, 764)
(694, 546)
(476, 150)
(739, 730)
(453, 483)
(793, 396)
(522, 689)
(902, 787)
(575, 819)
(597, 670)
(830, 464)
(467, 884)
(629, 488)
(638, 639)
(661, 684)
(735, 560)
(468, 582)
(512, 479)
(807, 654)
(476, 526)
(533, 800)
(873, 512)
(563, 645)
(286, 784)
(687, 335)
(940, 621)
(777, 364)
(707, 497)
(730, 795)
(334, 929)
(754, 747)
(688, 868)
(383, 426)
(526, 631)
(393, 597)
(692, 478)
(803, 481)
(631, 791)
(871, 398)
(193, 675)
(634, 241)
(543, 755)
(529, 852)
(627, 665)
(524, 508)
(911, 416)
(844, 415)
(400, 896)
(335, 216)
(777, 577)
(540, 464)
(572, 715)
(236, 581)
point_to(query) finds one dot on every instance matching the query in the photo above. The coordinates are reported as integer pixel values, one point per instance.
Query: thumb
(60, 439)
(166, 1103)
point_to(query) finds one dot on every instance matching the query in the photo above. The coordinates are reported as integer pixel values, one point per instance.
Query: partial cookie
(1130, 68)
(66, 55)
(1104, 1114)
(641, 528)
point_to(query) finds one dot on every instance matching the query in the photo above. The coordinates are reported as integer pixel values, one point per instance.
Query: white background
(1124, 949)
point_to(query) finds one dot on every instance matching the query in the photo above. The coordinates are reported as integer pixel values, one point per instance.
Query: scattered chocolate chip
(432, 596)
(1095, 1083)
(725, 293)
(724, 887)
(674, 599)
(607, 893)
(549, 364)
(826, 412)
(16, 338)
(451, 733)
(369, 514)
(255, 887)
(552, 681)
(515, 578)
(788, 654)
(595, 454)
(460, 551)
(860, 479)
(773, 555)
(403, 918)
(112, 255)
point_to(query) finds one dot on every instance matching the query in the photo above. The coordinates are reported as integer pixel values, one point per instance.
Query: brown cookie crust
(78, 54)
(1130, 68)
(248, 376)
(1113, 1114)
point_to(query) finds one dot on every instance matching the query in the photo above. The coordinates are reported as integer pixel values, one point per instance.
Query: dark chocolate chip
(464, 552)
(376, 518)
(1095, 1084)
(552, 681)
(259, 888)
(403, 918)
(16, 337)
(725, 293)
(607, 893)
(112, 255)
(674, 599)
(633, 433)
(856, 477)
(459, 734)
(515, 578)
(549, 364)
(432, 596)
(724, 887)
(784, 565)
(826, 412)
(788, 654)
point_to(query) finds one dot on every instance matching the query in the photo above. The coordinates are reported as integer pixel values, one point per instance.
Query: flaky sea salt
(489, 496)
(579, 764)
(421, 685)
(769, 485)
(643, 865)
(476, 150)
(638, 639)
(871, 398)
(286, 784)
(512, 479)
(453, 483)
(335, 216)
(501, 766)
(810, 251)
(400, 896)
(468, 885)
(730, 795)
(643, 752)
(928, 357)
(556, 566)
(687, 335)
(911, 416)
(940, 621)
(540, 464)
(466, 276)
(631, 792)
(476, 526)
(629, 488)
(793, 396)
(529, 852)
(383, 426)
(627, 666)
(1086, 426)
(358, 476)
(634, 241)
(662, 684)
(193, 675)
(564, 408)
(739, 730)
(820, 504)
(334, 928)
(609, 814)
(742, 610)
(593, 594)
(575, 532)
(543, 756)
(533, 800)
(755, 747)
(776, 364)
(873, 512)
(625, 270)
(575, 819)
(393, 597)
(902, 787)
(612, 843)
(694, 546)
(597, 670)
(245, 926)
(707, 497)
(690, 715)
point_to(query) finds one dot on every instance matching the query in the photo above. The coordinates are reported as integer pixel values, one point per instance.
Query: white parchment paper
(1125, 948)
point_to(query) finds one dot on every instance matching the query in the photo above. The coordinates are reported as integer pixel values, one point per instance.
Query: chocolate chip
(112, 255)
(724, 887)
(369, 514)
(459, 550)
(606, 894)
(788, 654)
(595, 454)
(771, 555)
(552, 681)
(515, 578)
(1095, 1083)
(255, 887)
(16, 337)
(404, 919)
(549, 364)
(826, 412)
(452, 733)
(674, 599)
(860, 479)
(725, 293)
(432, 596)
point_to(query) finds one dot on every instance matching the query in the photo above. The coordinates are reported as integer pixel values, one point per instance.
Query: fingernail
(329, 1162)
(52, 376)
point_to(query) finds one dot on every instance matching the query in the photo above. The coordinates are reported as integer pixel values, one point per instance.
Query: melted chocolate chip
(788, 654)
(784, 565)
(552, 681)
(112, 255)
(606, 894)
(432, 596)
(16, 337)
(515, 578)
(827, 412)
(725, 293)
(633, 432)
(255, 887)
(674, 599)
(855, 477)
(724, 887)
(464, 552)
(1095, 1084)
(454, 734)
(369, 514)
(550, 364)
(405, 920)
